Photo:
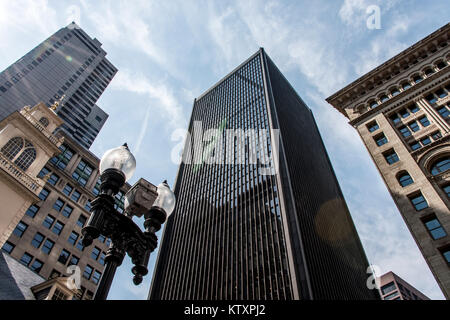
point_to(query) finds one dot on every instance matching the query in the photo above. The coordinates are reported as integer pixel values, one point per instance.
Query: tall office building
(242, 231)
(69, 63)
(401, 110)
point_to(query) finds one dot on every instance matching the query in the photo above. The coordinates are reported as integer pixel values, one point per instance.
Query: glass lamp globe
(119, 158)
(165, 199)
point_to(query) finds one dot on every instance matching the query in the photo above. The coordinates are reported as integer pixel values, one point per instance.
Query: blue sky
(169, 52)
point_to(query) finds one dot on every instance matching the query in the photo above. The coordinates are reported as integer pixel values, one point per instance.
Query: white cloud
(161, 95)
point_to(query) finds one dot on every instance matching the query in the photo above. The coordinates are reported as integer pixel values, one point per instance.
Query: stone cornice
(386, 65)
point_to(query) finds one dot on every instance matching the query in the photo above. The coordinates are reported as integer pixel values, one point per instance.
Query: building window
(426, 141)
(44, 171)
(395, 119)
(75, 196)
(20, 229)
(74, 261)
(101, 238)
(406, 85)
(26, 259)
(59, 295)
(443, 111)
(88, 206)
(82, 173)
(405, 179)
(373, 104)
(67, 211)
(384, 98)
(96, 277)
(391, 296)
(44, 194)
(73, 238)
(88, 272)
(414, 108)
(415, 145)
(79, 245)
(431, 98)
(48, 246)
(32, 211)
(445, 251)
(436, 135)
(27, 157)
(380, 139)
(419, 202)
(67, 189)
(12, 147)
(441, 65)
(391, 157)
(64, 256)
(447, 190)
(434, 227)
(404, 113)
(101, 260)
(429, 72)
(424, 121)
(119, 202)
(414, 126)
(54, 178)
(395, 92)
(441, 93)
(8, 247)
(36, 266)
(81, 221)
(404, 131)
(417, 79)
(48, 221)
(95, 253)
(44, 121)
(37, 240)
(96, 189)
(440, 166)
(58, 205)
(388, 288)
(63, 158)
(58, 227)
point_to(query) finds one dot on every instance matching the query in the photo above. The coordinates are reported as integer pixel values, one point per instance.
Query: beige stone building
(392, 287)
(401, 110)
(48, 203)
(26, 144)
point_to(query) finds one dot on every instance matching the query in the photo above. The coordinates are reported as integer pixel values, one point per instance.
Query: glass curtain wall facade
(235, 232)
(70, 64)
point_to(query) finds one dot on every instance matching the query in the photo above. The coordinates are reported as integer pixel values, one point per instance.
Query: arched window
(384, 98)
(404, 179)
(417, 78)
(406, 85)
(394, 92)
(429, 72)
(26, 158)
(44, 121)
(12, 147)
(373, 104)
(21, 150)
(440, 166)
(441, 64)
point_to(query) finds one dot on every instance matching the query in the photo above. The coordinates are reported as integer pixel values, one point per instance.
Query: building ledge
(33, 185)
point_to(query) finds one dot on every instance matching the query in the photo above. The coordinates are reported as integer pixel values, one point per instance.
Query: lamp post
(116, 167)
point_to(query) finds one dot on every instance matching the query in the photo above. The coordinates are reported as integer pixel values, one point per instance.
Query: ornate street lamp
(116, 167)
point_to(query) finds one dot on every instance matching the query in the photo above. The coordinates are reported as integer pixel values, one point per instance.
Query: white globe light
(119, 158)
(165, 199)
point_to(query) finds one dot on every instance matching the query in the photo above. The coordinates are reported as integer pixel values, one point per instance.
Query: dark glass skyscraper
(68, 63)
(240, 231)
